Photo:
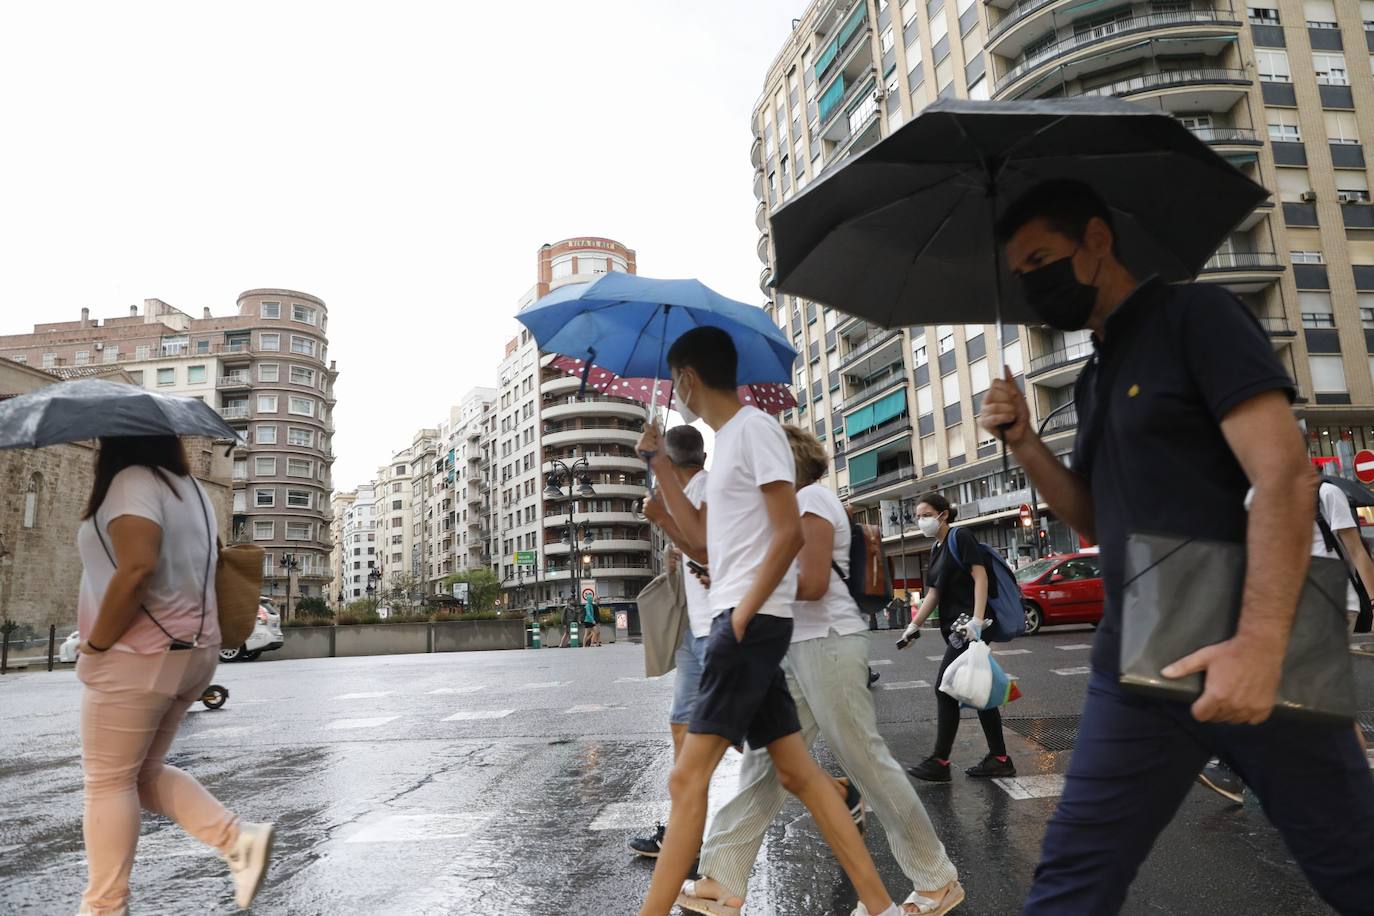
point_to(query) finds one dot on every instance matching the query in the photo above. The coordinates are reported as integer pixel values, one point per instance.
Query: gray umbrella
(93, 408)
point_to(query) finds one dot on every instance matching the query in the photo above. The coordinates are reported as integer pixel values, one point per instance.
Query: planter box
(303, 642)
(478, 635)
(381, 639)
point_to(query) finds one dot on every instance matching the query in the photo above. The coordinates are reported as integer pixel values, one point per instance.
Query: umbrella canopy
(626, 323)
(767, 396)
(1357, 493)
(94, 408)
(903, 235)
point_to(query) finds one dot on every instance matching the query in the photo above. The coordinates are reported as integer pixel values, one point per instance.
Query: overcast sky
(403, 161)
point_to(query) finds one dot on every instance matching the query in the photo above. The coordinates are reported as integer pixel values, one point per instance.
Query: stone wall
(40, 570)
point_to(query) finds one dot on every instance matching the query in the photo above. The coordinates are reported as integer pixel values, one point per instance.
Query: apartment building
(1280, 90)
(457, 509)
(266, 369)
(339, 504)
(356, 549)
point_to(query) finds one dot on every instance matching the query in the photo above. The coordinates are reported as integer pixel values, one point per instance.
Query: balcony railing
(1242, 260)
(1227, 135)
(869, 345)
(865, 83)
(1166, 79)
(234, 413)
(1110, 30)
(1068, 419)
(878, 387)
(234, 381)
(1016, 14)
(1276, 326)
(1061, 357)
(834, 51)
(874, 435)
(906, 472)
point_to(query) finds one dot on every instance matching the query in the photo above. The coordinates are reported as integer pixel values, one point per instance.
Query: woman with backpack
(149, 624)
(958, 587)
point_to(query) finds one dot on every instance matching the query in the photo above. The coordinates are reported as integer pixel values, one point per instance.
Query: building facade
(356, 551)
(266, 370)
(457, 504)
(1280, 90)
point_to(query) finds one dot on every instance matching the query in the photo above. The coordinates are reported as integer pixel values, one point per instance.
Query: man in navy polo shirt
(1182, 409)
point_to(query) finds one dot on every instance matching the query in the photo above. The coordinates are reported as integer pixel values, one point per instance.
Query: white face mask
(680, 404)
(929, 525)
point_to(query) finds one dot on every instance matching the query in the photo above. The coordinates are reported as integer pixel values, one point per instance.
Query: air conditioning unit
(1309, 196)
(99, 347)
(880, 93)
(1348, 198)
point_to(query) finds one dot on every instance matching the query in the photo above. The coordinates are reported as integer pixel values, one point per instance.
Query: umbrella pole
(997, 309)
(653, 396)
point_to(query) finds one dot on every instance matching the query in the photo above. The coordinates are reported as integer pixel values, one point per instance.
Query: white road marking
(1011, 652)
(1067, 671)
(879, 661)
(1023, 787)
(935, 658)
(632, 680)
(905, 685)
(623, 815)
(409, 828)
(1075, 646)
(360, 723)
(222, 732)
(471, 715)
(590, 707)
(539, 685)
(446, 690)
(365, 696)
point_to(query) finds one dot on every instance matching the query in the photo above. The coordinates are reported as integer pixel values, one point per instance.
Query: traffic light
(1027, 516)
(1044, 536)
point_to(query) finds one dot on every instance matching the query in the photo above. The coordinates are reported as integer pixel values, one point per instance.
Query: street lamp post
(901, 517)
(578, 534)
(1034, 501)
(288, 563)
(374, 580)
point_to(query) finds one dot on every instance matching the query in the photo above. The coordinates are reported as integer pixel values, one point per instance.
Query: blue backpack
(1007, 613)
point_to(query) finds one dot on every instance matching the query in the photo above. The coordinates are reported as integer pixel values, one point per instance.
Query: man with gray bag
(1184, 407)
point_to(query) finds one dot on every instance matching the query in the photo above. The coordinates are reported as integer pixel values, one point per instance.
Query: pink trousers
(130, 711)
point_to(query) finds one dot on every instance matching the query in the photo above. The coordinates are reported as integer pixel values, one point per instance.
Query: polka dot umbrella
(772, 397)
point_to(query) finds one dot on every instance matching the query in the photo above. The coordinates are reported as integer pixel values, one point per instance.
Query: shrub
(351, 618)
(312, 606)
(310, 620)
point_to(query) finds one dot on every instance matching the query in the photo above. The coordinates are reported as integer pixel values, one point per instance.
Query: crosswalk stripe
(365, 696)
(1074, 646)
(1063, 672)
(879, 661)
(472, 715)
(339, 724)
(449, 690)
(905, 685)
(1024, 787)
(1011, 652)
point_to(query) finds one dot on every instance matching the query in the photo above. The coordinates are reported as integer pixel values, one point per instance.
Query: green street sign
(524, 558)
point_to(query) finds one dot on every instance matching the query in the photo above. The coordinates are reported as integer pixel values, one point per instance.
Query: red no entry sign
(1364, 465)
(589, 593)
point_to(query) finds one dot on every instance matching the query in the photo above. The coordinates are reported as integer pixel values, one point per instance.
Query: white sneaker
(248, 861)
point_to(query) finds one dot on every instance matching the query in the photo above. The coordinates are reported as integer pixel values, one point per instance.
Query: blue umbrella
(625, 324)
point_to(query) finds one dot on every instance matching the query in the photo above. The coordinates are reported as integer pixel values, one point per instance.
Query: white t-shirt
(1335, 509)
(699, 613)
(836, 609)
(188, 550)
(750, 451)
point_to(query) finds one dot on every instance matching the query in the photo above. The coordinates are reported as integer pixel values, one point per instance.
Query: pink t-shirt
(185, 565)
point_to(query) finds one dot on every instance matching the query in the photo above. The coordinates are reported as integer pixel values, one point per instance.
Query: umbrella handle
(586, 371)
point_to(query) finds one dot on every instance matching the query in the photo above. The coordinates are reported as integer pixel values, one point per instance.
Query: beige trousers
(131, 708)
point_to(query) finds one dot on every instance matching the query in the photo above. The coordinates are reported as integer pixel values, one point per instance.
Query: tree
(403, 593)
(312, 606)
(483, 588)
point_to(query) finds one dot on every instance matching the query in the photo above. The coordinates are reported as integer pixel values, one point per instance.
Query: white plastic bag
(969, 677)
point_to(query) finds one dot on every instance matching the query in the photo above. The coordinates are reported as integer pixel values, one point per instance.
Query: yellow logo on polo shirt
(1132, 391)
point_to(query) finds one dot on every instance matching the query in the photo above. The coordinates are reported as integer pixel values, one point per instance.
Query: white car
(67, 652)
(265, 637)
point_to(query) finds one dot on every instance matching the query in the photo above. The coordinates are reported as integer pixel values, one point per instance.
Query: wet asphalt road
(507, 782)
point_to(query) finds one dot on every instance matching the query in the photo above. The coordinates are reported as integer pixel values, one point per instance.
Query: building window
(1330, 69)
(143, 352)
(269, 342)
(1341, 127)
(1328, 374)
(302, 438)
(1263, 16)
(111, 354)
(302, 376)
(1315, 308)
(267, 403)
(266, 434)
(300, 467)
(302, 346)
(166, 377)
(1283, 125)
(264, 531)
(1306, 257)
(264, 499)
(299, 499)
(265, 467)
(1320, 14)
(270, 310)
(83, 357)
(303, 313)
(302, 407)
(268, 372)
(195, 375)
(945, 337)
(298, 531)
(1272, 65)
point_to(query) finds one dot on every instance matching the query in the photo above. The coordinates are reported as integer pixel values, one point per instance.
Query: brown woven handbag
(238, 584)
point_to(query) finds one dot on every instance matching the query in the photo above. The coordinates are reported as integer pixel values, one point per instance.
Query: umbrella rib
(930, 240)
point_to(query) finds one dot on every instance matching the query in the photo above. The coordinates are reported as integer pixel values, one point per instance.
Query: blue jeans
(690, 658)
(1136, 759)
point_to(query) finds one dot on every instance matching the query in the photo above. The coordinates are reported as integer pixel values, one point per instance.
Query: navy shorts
(743, 694)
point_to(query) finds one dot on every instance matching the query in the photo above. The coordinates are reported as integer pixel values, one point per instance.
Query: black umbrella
(93, 408)
(903, 235)
(1357, 493)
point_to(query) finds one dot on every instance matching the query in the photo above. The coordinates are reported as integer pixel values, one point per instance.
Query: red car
(1062, 589)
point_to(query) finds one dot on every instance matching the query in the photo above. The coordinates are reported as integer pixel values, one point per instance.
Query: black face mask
(1057, 296)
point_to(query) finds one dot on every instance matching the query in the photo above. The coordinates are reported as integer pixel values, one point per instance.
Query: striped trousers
(828, 678)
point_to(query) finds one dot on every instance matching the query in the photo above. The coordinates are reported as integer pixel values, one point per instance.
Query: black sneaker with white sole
(855, 803)
(1223, 780)
(648, 846)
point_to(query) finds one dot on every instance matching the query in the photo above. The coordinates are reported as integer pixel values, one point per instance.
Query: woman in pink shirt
(149, 626)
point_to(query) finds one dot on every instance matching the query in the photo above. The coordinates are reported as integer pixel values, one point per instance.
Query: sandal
(918, 905)
(692, 903)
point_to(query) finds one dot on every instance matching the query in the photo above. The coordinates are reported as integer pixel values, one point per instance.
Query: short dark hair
(710, 352)
(686, 448)
(939, 504)
(1065, 204)
(162, 455)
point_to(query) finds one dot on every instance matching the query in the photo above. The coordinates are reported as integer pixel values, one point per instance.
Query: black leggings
(948, 709)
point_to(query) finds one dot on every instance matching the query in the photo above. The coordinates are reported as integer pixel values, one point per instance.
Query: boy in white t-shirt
(752, 535)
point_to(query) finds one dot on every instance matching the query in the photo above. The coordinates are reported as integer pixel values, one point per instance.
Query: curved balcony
(579, 436)
(1103, 37)
(605, 463)
(1243, 271)
(765, 278)
(595, 407)
(593, 573)
(756, 153)
(761, 248)
(758, 183)
(1227, 136)
(1059, 366)
(1017, 15)
(607, 546)
(563, 384)
(557, 520)
(619, 491)
(871, 346)
(1207, 89)
(761, 216)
